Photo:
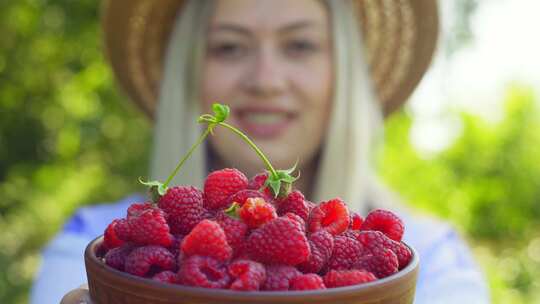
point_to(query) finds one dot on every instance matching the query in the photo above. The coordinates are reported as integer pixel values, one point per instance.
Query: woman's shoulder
(93, 219)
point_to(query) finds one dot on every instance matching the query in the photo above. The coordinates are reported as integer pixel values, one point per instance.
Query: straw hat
(400, 36)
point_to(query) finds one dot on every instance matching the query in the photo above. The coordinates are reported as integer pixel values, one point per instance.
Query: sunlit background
(469, 140)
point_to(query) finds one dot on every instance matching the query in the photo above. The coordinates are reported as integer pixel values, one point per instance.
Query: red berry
(166, 277)
(278, 277)
(356, 221)
(241, 196)
(122, 230)
(257, 181)
(247, 275)
(203, 272)
(346, 253)
(207, 239)
(280, 241)
(242, 252)
(321, 244)
(386, 222)
(340, 278)
(149, 227)
(235, 230)
(184, 207)
(381, 265)
(309, 281)
(174, 248)
(295, 203)
(110, 238)
(310, 205)
(332, 215)
(256, 212)
(220, 185)
(137, 208)
(140, 261)
(297, 219)
(375, 242)
(116, 257)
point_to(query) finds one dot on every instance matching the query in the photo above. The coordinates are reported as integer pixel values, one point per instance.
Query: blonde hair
(345, 168)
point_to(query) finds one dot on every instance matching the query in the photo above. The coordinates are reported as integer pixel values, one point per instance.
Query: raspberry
(166, 277)
(141, 260)
(381, 265)
(207, 239)
(278, 277)
(346, 253)
(149, 227)
(122, 230)
(385, 222)
(340, 278)
(249, 275)
(137, 208)
(321, 244)
(203, 272)
(242, 252)
(280, 241)
(184, 207)
(332, 215)
(310, 205)
(257, 181)
(110, 238)
(295, 203)
(235, 230)
(174, 248)
(309, 281)
(297, 219)
(375, 242)
(256, 212)
(356, 221)
(220, 185)
(241, 196)
(116, 257)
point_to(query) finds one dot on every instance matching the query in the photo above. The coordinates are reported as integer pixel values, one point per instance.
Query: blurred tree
(66, 137)
(487, 183)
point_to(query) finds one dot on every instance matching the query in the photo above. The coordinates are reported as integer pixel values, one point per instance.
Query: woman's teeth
(265, 118)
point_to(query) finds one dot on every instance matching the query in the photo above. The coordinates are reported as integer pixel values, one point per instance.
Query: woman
(296, 78)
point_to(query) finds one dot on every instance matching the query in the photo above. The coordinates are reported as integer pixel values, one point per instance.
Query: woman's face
(271, 62)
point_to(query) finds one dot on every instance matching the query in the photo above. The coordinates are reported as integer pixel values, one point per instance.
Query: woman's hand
(77, 296)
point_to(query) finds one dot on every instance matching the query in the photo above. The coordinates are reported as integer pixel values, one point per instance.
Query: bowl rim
(90, 256)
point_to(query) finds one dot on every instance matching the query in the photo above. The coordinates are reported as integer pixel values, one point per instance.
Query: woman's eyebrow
(299, 25)
(283, 29)
(230, 27)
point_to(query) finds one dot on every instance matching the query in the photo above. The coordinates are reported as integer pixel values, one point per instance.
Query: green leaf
(233, 210)
(221, 112)
(291, 170)
(156, 189)
(274, 184)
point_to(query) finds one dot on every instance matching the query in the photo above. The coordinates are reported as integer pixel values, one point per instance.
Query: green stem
(252, 145)
(201, 139)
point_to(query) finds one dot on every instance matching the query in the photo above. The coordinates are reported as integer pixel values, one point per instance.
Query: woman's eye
(300, 47)
(228, 50)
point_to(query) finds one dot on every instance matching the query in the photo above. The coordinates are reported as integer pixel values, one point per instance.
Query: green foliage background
(68, 138)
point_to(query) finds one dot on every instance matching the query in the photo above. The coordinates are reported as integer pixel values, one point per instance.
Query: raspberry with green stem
(279, 181)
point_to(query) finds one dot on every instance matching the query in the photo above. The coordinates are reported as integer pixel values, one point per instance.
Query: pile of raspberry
(235, 235)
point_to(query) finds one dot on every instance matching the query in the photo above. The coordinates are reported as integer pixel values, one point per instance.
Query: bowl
(108, 286)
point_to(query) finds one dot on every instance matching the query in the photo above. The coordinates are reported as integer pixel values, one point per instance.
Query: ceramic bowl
(109, 286)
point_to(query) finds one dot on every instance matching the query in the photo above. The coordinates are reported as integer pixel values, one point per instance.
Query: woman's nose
(266, 75)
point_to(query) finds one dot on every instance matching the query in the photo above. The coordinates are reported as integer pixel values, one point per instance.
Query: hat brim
(400, 38)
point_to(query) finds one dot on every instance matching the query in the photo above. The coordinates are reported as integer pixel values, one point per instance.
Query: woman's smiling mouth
(264, 122)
